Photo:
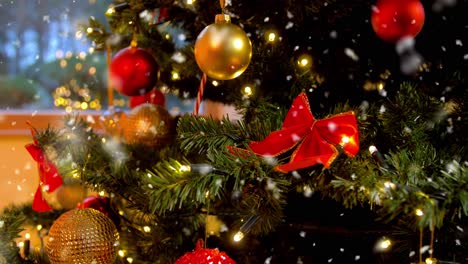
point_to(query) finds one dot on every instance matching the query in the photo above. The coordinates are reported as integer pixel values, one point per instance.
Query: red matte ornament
(49, 177)
(133, 71)
(315, 140)
(395, 19)
(205, 256)
(155, 96)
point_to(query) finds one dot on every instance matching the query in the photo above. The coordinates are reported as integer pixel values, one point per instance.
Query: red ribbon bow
(316, 139)
(49, 177)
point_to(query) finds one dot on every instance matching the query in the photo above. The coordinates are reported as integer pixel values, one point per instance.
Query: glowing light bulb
(238, 236)
(185, 168)
(84, 105)
(248, 90)
(92, 70)
(63, 63)
(147, 229)
(271, 37)
(385, 244)
(389, 185)
(345, 140)
(380, 86)
(39, 227)
(304, 61)
(175, 76)
(215, 83)
(27, 236)
(89, 30)
(190, 2)
(110, 11)
(419, 212)
(121, 253)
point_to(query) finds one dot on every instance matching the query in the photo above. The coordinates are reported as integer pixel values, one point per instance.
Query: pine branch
(205, 135)
(10, 226)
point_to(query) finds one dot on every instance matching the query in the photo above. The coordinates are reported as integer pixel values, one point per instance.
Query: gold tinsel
(82, 236)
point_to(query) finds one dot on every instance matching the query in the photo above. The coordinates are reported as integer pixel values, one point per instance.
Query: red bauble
(133, 71)
(155, 96)
(395, 19)
(204, 256)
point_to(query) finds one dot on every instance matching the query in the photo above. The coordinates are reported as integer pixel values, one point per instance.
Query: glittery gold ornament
(223, 50)
(148, 124)
(82, 236)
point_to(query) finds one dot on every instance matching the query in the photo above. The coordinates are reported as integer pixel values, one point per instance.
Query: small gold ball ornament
(223, 50)
(148, 124)
(70, 194)
(82, 236)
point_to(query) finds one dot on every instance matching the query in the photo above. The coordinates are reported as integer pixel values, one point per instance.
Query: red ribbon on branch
(49, 177)
(316, 140)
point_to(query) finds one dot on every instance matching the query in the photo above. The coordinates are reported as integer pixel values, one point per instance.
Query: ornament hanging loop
(222, 3)
(222, 18)
(133, 43)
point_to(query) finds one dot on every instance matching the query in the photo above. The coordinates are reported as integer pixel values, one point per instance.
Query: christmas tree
(350, 146)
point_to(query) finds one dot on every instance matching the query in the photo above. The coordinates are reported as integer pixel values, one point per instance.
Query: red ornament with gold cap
(133, 71)
(205, 256)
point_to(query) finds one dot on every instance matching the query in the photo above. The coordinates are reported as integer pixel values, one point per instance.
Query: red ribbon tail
(51, 177)
(40, 204)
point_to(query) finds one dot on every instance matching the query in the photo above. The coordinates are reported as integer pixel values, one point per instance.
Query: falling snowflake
(351, 54)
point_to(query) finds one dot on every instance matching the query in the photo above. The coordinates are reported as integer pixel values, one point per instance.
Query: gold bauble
(67, 196)
(148, 124)
(223, 50)
(82, 236)
(71, 194)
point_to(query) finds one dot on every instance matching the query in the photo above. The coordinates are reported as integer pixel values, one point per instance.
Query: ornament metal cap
(222, 18)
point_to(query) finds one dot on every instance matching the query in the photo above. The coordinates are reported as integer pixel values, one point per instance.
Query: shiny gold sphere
(148, 124)
(82, 236)
(223, 51)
